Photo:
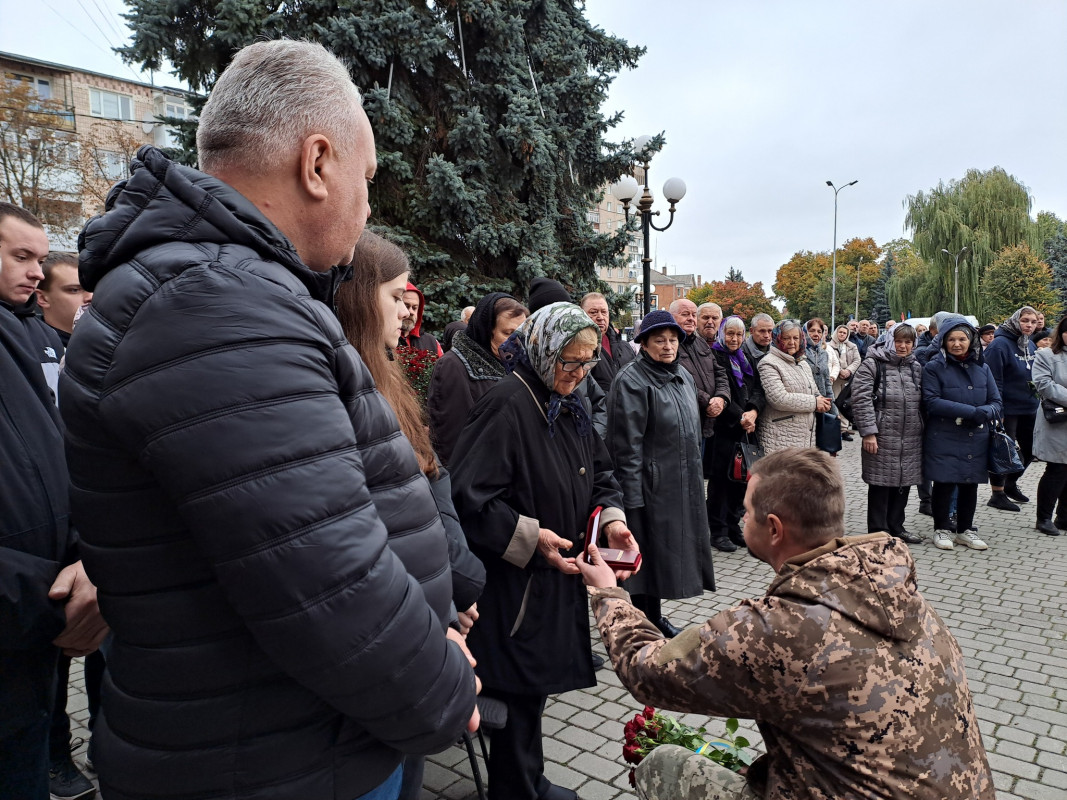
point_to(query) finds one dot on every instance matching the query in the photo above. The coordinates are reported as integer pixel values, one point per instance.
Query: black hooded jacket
(250, 514)
(36, 539)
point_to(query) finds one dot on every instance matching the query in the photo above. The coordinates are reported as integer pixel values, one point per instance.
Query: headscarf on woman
(483, 320)
(538, 343)
(738, 363)
(1013, 325)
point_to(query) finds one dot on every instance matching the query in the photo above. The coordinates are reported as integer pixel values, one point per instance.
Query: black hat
(1037, 336)
(657, 321)
(544, 291)
(989, 327)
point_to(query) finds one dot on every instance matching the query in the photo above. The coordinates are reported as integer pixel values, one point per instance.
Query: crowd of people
(292, 579)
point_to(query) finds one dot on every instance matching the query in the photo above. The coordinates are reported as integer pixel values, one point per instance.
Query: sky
(762, 102)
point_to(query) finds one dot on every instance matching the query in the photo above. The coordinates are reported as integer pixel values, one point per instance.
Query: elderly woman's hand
(597, 574)
(620, 537)
(748, 421)
(549, 545)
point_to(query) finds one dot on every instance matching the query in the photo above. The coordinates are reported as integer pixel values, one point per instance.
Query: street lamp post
(956, 298)
(626, 188)
(858, 266)
(833, 277)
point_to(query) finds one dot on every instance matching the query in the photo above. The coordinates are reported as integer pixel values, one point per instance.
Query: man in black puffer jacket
(266, 549)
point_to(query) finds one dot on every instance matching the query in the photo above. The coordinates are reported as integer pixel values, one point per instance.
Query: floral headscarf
(538, 343)
(738, 363)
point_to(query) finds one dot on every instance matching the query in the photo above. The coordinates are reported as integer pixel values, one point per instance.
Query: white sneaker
(942, 540)
(970, 539)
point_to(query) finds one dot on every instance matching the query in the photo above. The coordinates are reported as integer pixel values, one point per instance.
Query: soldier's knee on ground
(671, 772)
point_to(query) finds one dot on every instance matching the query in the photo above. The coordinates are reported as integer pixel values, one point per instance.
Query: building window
(610, 206)
(110, 105)
(113, 166)
(43, 86)
(593, 216)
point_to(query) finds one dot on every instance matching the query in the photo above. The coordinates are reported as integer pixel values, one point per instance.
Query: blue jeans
(389, 789)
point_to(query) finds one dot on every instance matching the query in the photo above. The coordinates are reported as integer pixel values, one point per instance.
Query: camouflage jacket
(855, 682)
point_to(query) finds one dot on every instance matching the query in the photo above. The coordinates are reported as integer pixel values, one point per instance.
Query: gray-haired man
(267, 549)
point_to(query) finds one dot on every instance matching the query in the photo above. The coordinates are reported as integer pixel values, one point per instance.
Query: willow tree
(487, 118)
(908, 289)
(984, 212)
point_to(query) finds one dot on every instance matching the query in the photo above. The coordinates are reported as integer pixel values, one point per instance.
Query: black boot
(1000, 500)
(1013, 493)
(666, 628)
(1045, 526)
(721, 542)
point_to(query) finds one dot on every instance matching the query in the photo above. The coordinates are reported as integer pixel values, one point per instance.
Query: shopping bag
(827, 431)
(1004, 456)
(746, 454)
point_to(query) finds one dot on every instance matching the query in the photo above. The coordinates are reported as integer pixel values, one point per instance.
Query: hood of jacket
(868, 579)
(417, 330)
(23, 310)
(949, 324)
(164, 202)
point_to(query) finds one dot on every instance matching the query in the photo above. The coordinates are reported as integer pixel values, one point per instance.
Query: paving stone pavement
(1007, 607)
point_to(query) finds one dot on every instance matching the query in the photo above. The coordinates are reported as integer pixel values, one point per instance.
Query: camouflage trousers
(673, 773)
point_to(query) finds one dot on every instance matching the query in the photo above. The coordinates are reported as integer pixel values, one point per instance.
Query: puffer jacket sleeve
(468, 572)
(863, 398)
(598, 405)
(262, 461)
(722, 380)
(834, 362)
(628, 413)
(852, 357)
(993, 408)
(778, 395)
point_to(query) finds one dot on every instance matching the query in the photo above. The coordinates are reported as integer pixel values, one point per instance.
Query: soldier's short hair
(801, 486)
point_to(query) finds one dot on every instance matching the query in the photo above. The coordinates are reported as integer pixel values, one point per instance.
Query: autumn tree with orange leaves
(736, 296)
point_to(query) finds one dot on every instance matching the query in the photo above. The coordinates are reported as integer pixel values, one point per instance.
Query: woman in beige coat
(792, 395)
(849, 356)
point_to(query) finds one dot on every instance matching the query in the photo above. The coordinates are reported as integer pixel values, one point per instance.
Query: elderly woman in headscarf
(737, 421)
(792, 395)
(470, 368)
(528, 471)
(1010, 357)
(654, 437)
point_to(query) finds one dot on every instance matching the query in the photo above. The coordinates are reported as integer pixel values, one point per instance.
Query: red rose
(649, 712)
(631, 754)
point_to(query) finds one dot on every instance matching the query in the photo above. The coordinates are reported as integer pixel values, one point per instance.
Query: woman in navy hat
(654, 437)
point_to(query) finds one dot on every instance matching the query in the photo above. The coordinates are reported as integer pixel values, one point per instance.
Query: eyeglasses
(574, 366)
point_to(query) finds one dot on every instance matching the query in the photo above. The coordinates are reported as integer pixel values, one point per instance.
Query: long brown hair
(379, 261)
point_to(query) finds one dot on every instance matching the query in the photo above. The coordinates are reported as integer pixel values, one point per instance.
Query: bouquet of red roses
(418, 366)
(649, 729)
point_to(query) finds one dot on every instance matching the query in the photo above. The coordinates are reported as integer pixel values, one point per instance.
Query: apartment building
(97, 122)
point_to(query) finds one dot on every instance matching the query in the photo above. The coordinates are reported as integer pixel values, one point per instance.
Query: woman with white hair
(792, 395)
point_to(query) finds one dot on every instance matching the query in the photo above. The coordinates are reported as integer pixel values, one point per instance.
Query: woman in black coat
(529, 471)
(470, 368)
(654, 437)
(737, 422)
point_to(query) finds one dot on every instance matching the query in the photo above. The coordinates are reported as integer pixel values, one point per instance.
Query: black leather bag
(827, 431)
(1053, 411)
(745, 455)
(1004, 456)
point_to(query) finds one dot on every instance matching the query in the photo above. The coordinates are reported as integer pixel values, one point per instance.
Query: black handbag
(745, 455)
(1053, 411)
(1004, 456)
(827, 431)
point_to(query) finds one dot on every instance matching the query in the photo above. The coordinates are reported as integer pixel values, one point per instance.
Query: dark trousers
(885, 508)
(966, 502)
(59, 735)
(647, 605)
(1019, 427)
(516, 759)
(1052, 488)
(24, 763)
(726, 498)
(924, 492)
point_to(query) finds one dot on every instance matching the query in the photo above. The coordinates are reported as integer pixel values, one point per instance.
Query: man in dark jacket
(614, 352)
(39, 567)
(267, 549)
(413, 335)
(710, 379)
(60, 293)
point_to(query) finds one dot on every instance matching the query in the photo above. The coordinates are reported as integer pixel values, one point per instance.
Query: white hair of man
(679, 304)
(716, 306)
(465, 315)
(271, 97)
(762, 318)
